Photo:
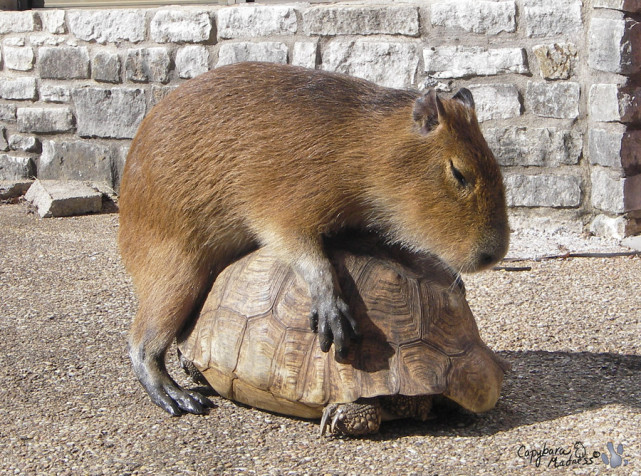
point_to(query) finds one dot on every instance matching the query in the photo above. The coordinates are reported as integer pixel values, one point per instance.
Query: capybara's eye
(460, 178)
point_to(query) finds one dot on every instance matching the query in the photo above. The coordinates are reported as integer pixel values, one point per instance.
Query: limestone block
(53, 21)
(544, 190)
(557, 100)
(192, 60)
(608, 227)
(181, 26)
(612, 103)
(57, 93)
(632, 6)
(305, 53)
(41, 120)
(615, 45)
(495, 101)
(256, 21)
(105, 67)
(13, 188)
(24, 143)
(16, 168)
(331, 20)
(22, 88)
(556, 61)
(468, 61)
(17, 22)
(63, 62)
(607, 190)
(388, 63)
(19, 58)
(488, 18)
(148, 64)
(541, 147)
(107, 26)
(7, 111)
(547, 18)
(112, 113)
(269, 51)
(76, 160)
(59, 198)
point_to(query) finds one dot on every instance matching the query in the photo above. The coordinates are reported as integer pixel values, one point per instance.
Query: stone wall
(557, 84)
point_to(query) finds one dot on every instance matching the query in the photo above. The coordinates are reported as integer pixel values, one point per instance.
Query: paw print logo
(616, 457)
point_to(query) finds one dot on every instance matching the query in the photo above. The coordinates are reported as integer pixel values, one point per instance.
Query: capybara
(257, 154)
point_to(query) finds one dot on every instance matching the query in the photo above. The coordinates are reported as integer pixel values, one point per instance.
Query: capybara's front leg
(168, 299)
(329, 314)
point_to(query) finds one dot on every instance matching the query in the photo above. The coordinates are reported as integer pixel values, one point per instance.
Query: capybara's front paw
(334, 323)
(162, 389)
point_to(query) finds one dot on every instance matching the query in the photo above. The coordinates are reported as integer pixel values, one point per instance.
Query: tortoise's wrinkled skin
(252, 341)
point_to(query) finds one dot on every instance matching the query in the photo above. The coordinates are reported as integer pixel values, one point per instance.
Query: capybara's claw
(335, 324)
(177, 401)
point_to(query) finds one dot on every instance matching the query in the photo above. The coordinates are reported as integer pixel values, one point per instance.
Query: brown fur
(265, 155)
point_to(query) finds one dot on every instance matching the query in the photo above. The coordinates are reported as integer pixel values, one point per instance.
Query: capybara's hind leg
(167, 300)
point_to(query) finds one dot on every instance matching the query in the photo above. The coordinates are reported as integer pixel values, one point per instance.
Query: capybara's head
(448, 196)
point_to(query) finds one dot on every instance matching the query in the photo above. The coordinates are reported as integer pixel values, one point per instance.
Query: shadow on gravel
(541, 386)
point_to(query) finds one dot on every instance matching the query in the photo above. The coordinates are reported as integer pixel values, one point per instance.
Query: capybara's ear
(428, 111)
(464, 96)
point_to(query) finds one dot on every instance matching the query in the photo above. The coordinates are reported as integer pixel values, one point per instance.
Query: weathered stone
(76, 160)
(488, 18)
(269, 51)
(557, 100)
(18, 58)
(556, 61)
(468, 61)
(24, 143)
(64, 62)
(607, 190)
(542, 147)
(633, 242)
(608, 227)
(632, 6)
(58, 93)
(107, 26)
(148, 64)
(256, 21)
(7, 111)
(18, 88)
(192, 60)
(13, 188)
(388, 63)
(16, 168)
(53, 21)
(45, 120)
(331, 20)
(631, 153)
(114, 113)
(495, 101)
(105, 67)
(4, 146)
(549, 18)
(16, 22)
(615, 45)
(158, 93)
(557, 191)
(61, 198)
(181, 26)
(612, 103)
(305, 53)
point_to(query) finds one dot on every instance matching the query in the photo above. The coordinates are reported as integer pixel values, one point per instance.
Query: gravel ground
(69, 403)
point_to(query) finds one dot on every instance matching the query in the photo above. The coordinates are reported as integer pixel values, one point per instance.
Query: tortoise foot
(352, 419)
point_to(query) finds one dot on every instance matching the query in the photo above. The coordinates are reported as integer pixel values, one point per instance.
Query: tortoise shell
(253, 343)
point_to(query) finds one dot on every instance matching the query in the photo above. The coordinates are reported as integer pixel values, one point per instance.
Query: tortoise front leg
(362, 417)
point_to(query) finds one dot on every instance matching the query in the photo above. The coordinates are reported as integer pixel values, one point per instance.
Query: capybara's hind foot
(166, 393)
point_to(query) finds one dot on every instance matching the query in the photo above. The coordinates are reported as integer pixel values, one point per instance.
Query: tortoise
(253, 344)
